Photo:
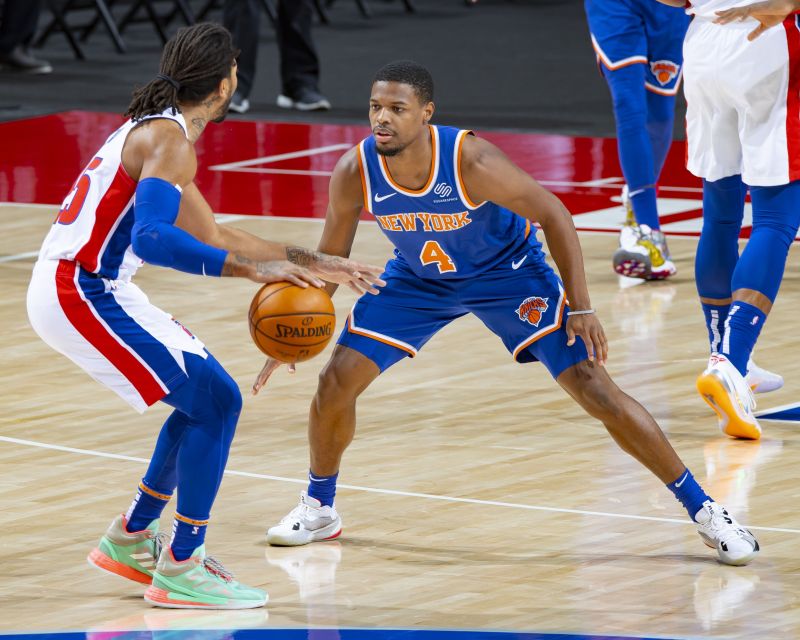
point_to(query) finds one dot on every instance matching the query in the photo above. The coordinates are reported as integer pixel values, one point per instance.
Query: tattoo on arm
(302, 257)
(233, 267)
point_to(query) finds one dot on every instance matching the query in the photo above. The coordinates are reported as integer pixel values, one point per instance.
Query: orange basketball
(289, 323)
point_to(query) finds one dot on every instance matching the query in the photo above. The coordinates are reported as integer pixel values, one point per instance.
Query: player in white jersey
(136, 201)
(743, 131)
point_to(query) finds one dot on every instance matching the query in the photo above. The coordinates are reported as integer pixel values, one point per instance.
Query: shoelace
(160, 540)
(298, 513)
(724, 526)
(214, 566)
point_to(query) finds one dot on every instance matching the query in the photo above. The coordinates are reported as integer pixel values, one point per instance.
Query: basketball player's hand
(590, 330)
(269, 366)
(769, 14)
(360, 277)
(283, 270)
(267, 271)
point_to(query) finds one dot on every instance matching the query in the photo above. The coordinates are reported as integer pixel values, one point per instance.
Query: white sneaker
(643, 253)
(760, 380)
(726, 392)
(308, 522)
(631, 259)
(719, 530)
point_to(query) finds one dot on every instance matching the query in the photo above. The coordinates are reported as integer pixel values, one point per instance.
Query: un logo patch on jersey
(532, 309)
(665, 71)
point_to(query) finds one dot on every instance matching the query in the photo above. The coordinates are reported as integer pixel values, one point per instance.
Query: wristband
(582, 312)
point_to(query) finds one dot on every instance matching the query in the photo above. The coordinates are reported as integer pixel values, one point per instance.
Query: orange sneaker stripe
(102, 561)
(157, 595)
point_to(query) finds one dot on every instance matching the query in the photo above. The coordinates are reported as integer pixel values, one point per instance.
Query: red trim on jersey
(80, 316)
(793, 97)
(112, 206)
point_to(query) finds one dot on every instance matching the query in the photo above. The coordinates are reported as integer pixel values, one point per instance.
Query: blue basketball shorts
(524, 306)
(626, 32)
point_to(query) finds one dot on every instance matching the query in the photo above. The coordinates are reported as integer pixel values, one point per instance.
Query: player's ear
(224, 88)
(427, 112)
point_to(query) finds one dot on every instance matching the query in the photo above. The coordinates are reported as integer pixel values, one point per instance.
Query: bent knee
(595, 391)
(345, 376)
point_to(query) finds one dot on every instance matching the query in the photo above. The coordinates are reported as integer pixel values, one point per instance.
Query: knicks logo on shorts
(532, 309)
(665, 71)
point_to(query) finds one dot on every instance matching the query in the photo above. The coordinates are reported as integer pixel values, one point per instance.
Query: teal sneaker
(128, 555)
(199, 582)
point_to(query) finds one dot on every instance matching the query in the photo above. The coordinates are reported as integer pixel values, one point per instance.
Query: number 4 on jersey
(432, 253)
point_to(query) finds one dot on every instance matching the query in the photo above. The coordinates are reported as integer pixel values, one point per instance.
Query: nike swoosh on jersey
(517, 265)
(380, 198)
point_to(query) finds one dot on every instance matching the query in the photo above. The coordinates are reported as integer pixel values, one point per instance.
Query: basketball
(289, 323)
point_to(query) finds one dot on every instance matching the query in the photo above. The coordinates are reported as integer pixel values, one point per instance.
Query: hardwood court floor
(476, 495)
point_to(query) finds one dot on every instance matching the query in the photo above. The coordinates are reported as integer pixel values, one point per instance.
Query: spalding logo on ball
(290, 323)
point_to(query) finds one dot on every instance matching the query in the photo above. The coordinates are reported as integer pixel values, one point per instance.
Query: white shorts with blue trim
(110, 330)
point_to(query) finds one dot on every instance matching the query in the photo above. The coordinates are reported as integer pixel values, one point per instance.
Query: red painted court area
(282, 169)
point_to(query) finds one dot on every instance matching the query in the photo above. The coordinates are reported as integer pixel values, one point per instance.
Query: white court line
(19, 256)
(232, 166)
(391, 492)
(283, 172)
(783, 407)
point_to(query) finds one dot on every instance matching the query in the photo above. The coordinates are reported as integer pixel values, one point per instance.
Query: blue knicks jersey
(437, 230)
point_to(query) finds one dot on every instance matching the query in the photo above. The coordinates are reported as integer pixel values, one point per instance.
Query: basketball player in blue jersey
(136, 201)
(460, 215)
(638, 45)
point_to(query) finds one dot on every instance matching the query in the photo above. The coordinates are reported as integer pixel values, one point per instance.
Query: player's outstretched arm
(161, 159)
(769, 14)
(195, 216)
(674, 3)
(345, 202)
(489, 175)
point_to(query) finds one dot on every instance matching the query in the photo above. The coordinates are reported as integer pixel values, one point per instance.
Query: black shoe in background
(20, 60)
(307, 99)
(239, 104)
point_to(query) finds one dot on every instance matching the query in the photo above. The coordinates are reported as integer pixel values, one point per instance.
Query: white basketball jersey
(93, 226)
(708, 8)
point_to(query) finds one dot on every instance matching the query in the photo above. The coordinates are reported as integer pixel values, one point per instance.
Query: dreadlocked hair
(193, 63)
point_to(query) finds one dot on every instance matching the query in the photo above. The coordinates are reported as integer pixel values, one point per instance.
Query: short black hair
(410, 73)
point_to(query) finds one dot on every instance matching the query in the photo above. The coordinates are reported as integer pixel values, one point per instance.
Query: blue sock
(776, 217)
(690, 494)
(146, 507)
(636, 154)
(741, 332)
(211, 402)
(715, 323)
(187, 535)
(660, 120)
(323, 488)
(645, 206)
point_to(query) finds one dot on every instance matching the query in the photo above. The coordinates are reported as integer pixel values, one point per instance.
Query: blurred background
(497, 64)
